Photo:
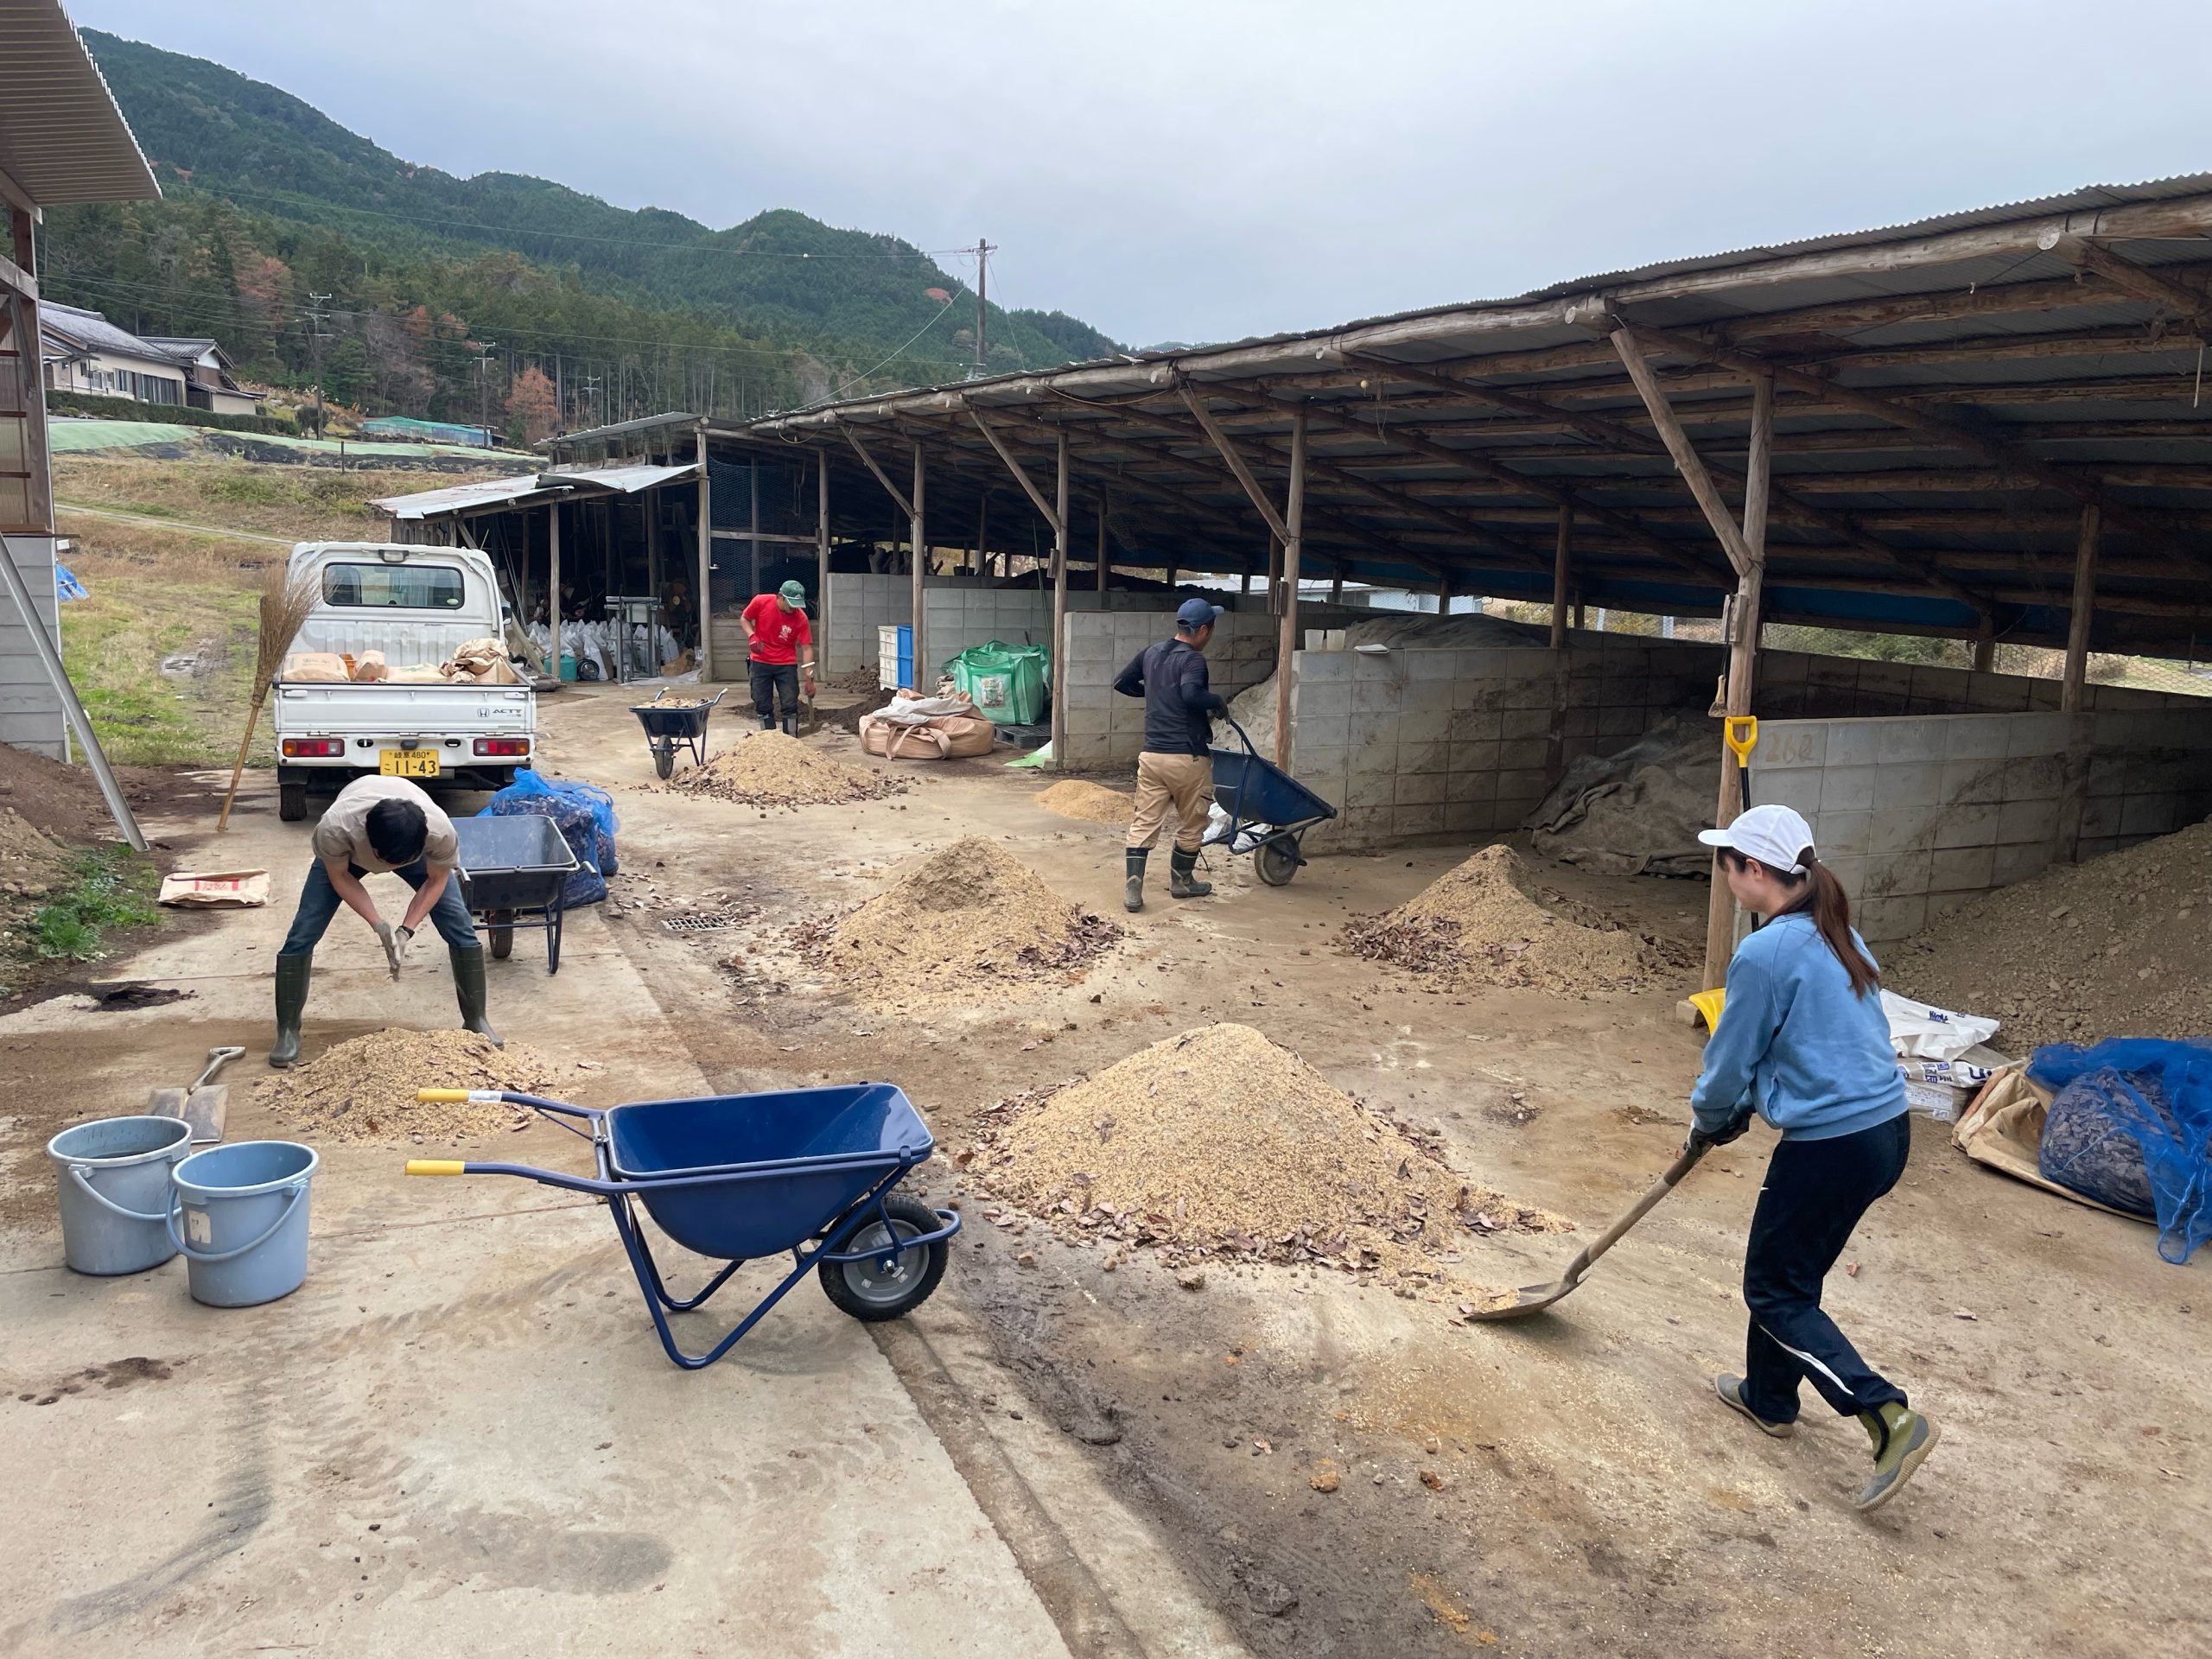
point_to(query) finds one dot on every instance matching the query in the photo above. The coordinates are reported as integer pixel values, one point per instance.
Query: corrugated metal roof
(627, 481)
(517, 492)
(62, 139)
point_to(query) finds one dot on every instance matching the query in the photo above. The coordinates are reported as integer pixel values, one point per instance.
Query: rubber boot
(1133, 878)
(1182, 876)
(292, 976)
(469, 988)
(790, 725)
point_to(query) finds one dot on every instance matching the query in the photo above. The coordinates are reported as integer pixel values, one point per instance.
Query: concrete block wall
(1919, 816)
(1105, 728)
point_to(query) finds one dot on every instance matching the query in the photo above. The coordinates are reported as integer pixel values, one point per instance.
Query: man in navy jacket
(1177, 765)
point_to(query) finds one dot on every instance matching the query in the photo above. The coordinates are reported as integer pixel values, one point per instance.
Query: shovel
(1530, 1299)
(202, 1104)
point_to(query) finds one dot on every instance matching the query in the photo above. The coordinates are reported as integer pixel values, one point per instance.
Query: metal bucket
(240, 1218)
(113, 1176)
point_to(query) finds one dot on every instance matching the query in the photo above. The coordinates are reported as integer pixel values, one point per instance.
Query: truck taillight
(308, 748)
(503, 746)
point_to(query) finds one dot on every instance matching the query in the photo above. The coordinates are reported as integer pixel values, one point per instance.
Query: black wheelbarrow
(514, 872)
(1269, 811)
(673, 726)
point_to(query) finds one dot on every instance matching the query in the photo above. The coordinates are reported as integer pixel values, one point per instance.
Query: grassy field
(187, 597)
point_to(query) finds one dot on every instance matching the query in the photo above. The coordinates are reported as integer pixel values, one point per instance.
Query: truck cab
(417, 605)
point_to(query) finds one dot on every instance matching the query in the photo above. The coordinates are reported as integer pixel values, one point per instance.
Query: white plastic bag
(1919, 1031)
(1248, 835)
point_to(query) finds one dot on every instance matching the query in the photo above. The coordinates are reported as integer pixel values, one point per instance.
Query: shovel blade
(1530, 1298)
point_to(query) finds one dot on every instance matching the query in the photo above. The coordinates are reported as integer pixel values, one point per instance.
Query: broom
(286, 600)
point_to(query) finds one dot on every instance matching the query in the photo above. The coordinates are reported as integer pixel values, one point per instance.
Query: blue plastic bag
(588, 823)
(2128, 1099)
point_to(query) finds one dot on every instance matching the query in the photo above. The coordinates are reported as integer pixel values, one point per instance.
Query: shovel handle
(1605, 1241)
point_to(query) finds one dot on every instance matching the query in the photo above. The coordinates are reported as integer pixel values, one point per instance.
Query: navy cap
(1197, 613)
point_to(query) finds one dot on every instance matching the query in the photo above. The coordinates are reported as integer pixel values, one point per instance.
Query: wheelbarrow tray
(1253, 791)
(517, 863)
(660, 721)
(738, 1177)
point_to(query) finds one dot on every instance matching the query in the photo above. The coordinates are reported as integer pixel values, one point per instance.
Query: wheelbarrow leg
(649, 1281)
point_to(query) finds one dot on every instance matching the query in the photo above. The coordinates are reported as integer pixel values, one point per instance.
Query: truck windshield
(405, 587)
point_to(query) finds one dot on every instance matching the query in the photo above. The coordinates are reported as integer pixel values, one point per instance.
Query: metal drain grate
(697, 923)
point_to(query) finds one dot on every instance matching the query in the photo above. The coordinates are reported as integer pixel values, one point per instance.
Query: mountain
(257, 179)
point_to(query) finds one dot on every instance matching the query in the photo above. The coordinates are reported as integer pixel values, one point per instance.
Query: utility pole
(316, 302)
(484, 397)
(591, 399)
(983, 251)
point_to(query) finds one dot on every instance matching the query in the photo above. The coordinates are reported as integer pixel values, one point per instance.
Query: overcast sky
(1206, 169)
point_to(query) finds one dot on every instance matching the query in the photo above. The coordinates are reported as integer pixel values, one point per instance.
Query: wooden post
(919, 562)
(1105, 559)
(1559, 574)
(1984, 645)
(1274, 575)
(1293, 520)
(821, 562)
(1743, 664)
(1171, 576)
(1060, 733)
(1579, 613)
(1444, 595)
(553, 591)
(1337, 587)
(2085, 603)
(703, 604)
(1244, 585)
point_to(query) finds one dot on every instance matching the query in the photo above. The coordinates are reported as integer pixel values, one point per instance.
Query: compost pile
(1072, 797)
(1220, 1143)
(954, 922)
(2120, 946)
(364, 1088)
(773, 769)
(1488, 922)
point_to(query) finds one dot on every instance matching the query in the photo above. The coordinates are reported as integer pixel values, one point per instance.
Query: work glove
(403, 941)
(1701, 1139)
(383, 937)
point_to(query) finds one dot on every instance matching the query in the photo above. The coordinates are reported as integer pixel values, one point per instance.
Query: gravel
(2120, 946)
(1489, 921)
(364, 1089)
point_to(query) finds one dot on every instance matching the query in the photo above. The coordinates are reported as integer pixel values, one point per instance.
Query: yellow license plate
(408, 763)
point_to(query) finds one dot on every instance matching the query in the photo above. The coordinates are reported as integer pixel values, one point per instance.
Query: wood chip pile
(2120, 946)
(773, 769)
(961, 920)
(1072, 797)
(1220, 1144)
(1489, 922)
(364, 1089)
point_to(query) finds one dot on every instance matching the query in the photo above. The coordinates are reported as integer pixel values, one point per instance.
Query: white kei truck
(416, 604)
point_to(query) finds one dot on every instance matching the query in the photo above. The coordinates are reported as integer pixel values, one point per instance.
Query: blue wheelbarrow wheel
(864, 1288)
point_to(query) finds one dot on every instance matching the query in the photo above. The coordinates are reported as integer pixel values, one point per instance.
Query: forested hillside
(269, 202)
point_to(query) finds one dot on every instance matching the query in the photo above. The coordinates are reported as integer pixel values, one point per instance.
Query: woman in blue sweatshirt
(1803, 1042)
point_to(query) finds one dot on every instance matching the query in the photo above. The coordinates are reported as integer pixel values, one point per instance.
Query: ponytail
(1824, 899)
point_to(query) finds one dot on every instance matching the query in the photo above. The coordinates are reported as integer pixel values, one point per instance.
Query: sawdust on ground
(2120, 946)
(957, 924)
(1489, 921)
(1219, 1143)
(364, 1089)
(774, 769)
(30, 865)
(1075, 797)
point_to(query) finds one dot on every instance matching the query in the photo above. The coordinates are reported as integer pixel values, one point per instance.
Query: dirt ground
(1561, 1486)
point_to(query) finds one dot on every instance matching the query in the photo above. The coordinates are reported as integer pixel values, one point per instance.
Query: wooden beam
(1293, 519)
(1560, 549)
(703, 602)
(553, 587)
(1743, 664)
(2131, 279)
(1686, 461)
(2084, 607)
(1057, 521)
(906, 507)
(1104, 560)
(1059, 726)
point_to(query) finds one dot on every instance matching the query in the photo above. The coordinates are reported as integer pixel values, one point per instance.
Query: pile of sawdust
(1488, 922)
(2120, 946)
(1072, 797)
(964, 919)
(773, 769)
(364, 1089)
(662, 700)
(30, 865)
(1220, 1143)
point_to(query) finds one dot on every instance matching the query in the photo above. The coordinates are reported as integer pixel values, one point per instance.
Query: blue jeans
(319, 902)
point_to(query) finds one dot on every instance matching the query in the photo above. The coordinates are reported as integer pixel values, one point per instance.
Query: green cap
(793, 595)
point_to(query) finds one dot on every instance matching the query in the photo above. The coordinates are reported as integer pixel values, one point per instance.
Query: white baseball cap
(1772, 835)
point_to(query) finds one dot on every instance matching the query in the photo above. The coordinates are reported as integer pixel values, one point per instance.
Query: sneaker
(1903, 1438)
(1731, 1390)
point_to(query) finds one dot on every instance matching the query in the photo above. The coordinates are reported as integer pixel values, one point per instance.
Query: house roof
(62, 138)
(90, 330)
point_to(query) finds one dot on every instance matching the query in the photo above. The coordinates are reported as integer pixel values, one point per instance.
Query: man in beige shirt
(380, 824)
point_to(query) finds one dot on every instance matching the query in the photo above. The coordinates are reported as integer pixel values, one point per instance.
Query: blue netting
(588, 823)
(2131, 1126)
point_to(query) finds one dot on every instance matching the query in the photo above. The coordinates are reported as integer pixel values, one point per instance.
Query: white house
(209, 383)
(83, 352)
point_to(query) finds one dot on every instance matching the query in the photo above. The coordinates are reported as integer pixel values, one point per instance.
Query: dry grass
(305, 504)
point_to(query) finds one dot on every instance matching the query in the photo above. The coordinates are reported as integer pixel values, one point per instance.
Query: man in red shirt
(780, 638)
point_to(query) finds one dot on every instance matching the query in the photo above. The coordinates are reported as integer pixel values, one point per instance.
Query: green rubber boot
(1133, 878)
(469, 988)
(1903, 1438)
(1182, 876)
(292, 976)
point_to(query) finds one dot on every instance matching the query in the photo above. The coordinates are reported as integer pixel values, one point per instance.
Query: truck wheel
(291, 799)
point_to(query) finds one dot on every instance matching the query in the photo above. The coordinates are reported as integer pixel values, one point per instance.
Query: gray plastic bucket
(113, 1175)
(240, 1219)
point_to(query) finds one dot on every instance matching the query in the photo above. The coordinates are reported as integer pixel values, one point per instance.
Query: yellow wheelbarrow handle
(437, 1166)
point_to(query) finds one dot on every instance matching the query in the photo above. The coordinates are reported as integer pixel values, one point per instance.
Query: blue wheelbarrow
(1269, 811)
(736, 1178)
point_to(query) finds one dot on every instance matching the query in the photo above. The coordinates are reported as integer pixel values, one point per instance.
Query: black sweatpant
(1815, 1193)
(770, 679)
